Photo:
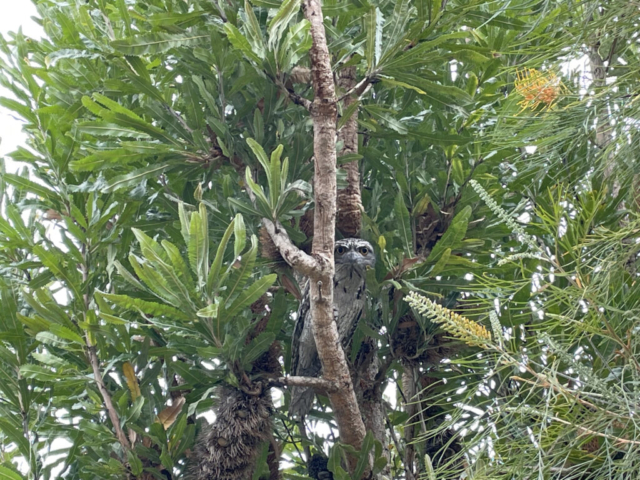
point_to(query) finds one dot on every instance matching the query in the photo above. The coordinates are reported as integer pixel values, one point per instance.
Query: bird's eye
(340, 250)
(363, 250)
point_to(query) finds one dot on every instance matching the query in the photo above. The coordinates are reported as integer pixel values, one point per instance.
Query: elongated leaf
(52, 260)
(240, 236)
(199, 244)
(145, 306)
(288, 10)
(240, 42)
(106, 129)
(250, 295)
(135, 177)
(6, 474)
(132, 380)
(27, 185)
(258, 346)
(441, 264)
(157, 42)
(214, 272)
(404, 224)
(453, 236)
(240, 275)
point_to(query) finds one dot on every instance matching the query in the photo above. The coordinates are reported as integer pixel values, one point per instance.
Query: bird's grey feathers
(352, 256)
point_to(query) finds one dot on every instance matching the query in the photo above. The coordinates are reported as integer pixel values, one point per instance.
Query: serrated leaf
(442, 262)
(240, 275)
(250, 295)
(157, 42)
(135, 177)
(210, 311)
(145, 306)
(239, 235)
(66, 333)
(199, 244)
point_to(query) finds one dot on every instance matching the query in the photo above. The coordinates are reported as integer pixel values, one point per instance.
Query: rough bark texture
(369, 393)
(409, 389)
(603, 129)
(349, 199)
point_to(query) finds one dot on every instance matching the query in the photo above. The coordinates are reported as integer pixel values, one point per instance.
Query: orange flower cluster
(538, 88)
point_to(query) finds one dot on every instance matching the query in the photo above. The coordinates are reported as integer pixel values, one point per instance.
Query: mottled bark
(604, 134)
(409, 389)
(369, 393)
(349, 199)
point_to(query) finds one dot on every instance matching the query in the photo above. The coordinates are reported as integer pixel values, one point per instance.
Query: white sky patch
(17, 16)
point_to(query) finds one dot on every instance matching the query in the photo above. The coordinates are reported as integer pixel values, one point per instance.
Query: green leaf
(216, 266)
(66, 333)
(404, 224)
(442, 262)
(257, 347)
(52, 259)
(241, 43)
(150, 308)
(453, 236)
(240, 235)
(157, 42)
(363, 455)
(278, 24)
(199, 244)
(6, 474)
(210, 311)
(27, 185)
(135, 177)
(274, 176)
(240, 274)
(371, 24)
(250, 295)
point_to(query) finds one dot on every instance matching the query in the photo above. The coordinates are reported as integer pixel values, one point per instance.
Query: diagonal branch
(111, 410)
(295, 257)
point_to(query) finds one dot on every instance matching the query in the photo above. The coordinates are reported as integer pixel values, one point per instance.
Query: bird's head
(354, 253)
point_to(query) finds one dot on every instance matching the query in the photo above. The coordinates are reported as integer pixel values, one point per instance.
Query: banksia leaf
(167, 416)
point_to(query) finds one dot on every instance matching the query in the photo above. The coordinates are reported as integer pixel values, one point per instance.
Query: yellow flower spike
(538, 88)
(466, 330)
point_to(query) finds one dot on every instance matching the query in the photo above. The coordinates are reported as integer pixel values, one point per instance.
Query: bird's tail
(301, 401)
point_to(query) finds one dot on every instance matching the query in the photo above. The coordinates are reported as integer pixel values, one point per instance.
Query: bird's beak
(351, 257)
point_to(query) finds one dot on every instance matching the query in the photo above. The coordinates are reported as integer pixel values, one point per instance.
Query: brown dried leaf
(132, 381)
(167, 416)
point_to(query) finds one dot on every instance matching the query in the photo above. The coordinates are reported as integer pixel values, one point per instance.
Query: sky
(17, 16)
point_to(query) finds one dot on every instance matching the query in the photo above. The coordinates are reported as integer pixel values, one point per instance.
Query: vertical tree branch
(320, 267)
(349, 199)
(604, 135)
